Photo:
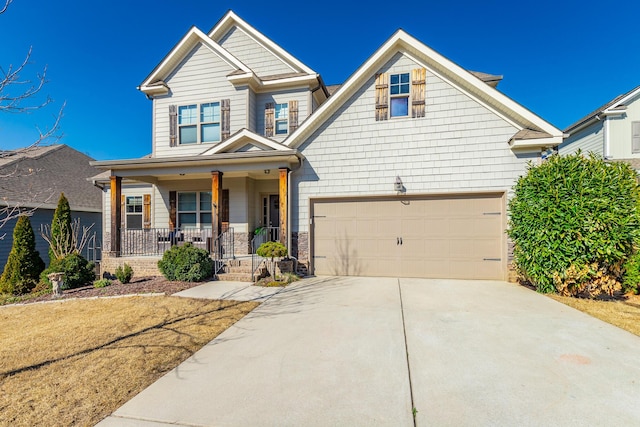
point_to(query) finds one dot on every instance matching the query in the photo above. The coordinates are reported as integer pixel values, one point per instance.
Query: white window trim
(134, 213)
(197, 211)
(400, 95)
(199, 123)
(276, 120)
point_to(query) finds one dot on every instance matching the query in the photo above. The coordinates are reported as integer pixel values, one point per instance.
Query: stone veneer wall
(142, 265)
(242, 243)
(300, 250)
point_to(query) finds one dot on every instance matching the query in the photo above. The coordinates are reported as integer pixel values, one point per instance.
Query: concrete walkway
(366, 351)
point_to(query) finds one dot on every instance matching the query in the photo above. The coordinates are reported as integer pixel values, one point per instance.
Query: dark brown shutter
(172, 210)
(293, 116)
(418, 86)
(635, 137)
(269, 118)
(123, 212)
(225, 107)
(173, 126)
(382, 96)
(146, 211)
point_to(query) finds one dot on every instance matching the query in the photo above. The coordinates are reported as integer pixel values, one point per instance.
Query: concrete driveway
(367, 351)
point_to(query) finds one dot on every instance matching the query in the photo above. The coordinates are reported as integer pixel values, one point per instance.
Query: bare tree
(22, 95)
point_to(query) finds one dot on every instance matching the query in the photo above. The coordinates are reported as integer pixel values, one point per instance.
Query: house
(32, 180)
(404, 170)
(612, 131)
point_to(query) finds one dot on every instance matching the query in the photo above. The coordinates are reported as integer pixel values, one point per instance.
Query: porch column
(284, 178)
(216, 199)
(116, 214)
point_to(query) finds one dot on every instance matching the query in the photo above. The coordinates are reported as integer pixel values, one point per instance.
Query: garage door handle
(492, 259)
(398, 240)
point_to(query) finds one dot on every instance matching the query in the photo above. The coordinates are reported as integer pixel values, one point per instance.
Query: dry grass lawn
(75, 362)
(624, 314)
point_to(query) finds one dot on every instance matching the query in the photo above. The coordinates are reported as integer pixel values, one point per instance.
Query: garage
(448, 236)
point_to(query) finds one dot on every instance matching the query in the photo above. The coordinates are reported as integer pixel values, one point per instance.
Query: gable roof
(230, 20)
(242, 138)
(154, 83)
(35, 177)
(614, 107)
(473, 85)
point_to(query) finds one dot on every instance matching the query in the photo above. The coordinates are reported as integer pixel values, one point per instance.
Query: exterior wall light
(398, 187)
(267, 171)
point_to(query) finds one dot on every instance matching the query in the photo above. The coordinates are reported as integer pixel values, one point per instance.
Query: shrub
(102, 283)
(574, 222)
(24, 264)
(124, 273)
(272, 250)
(61, 235)
(77, 271)
(631, 277)
(186, 263)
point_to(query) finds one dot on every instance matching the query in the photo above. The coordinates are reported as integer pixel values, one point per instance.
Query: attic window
(399, 91)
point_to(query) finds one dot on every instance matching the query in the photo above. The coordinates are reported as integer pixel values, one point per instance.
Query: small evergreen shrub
(631, 277)
(574, 222)
(124, 273)
(102, 283)
(24, 264)
(61, 229)
(186, 263)
(77, 271)
(272, 250)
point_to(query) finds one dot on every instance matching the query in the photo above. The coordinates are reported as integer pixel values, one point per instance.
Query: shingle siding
(459, 146)
(253, 54)
(588, 140)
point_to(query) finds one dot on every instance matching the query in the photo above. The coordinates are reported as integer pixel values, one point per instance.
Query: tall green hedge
(24, 265)
(61, 229)
(574, 221)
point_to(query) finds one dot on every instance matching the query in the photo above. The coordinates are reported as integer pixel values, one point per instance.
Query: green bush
(574, 221)
(77, 271)
(24, 264)
(631, 277)
(272, 250)
(124, 273)
(102, 283)
(186, 263)
(61, 235)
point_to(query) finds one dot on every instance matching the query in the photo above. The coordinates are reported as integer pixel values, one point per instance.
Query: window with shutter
(382, 93)
(173, 126)
(293, 116)
(226, 118)
(133, 212)
(635, 137)
(268, 119)
(418, 84)
(146, 211)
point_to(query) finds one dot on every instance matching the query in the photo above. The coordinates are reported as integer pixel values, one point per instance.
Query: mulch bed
(138, 285)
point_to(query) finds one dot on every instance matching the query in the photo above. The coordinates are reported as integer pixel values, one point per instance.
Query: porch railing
(155, 241)
(263, 235)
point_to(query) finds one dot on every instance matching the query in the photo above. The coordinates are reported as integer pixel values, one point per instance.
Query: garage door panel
(442, 237)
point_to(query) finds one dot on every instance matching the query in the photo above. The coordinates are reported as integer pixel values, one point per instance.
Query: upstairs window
(399, 92)
(635, 137)
(199, 123)
(282, 118)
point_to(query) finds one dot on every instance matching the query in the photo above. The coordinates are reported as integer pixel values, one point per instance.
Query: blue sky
(560, 59)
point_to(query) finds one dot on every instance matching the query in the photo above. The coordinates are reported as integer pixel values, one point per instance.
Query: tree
(24, 265)
(21, 95)
(574, 222)
(61, 238)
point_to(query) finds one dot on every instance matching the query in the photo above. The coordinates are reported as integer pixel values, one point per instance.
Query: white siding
(128, 190)
(201, 77)
(588, 140)
(252, 54)
(620, 131)
(252, 111)
(459, 146)
(280, 98)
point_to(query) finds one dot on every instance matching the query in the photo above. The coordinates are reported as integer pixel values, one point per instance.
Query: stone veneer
(300, 250)
(141, 265)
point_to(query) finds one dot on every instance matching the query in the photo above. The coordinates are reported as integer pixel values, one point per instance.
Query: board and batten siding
(459, 146)
(251, 53)
(300, 95)
(200, 78)
(588, 140)
(620, 131)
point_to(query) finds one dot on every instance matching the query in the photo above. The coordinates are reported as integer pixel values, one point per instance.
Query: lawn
(623, 313)
(75, 362)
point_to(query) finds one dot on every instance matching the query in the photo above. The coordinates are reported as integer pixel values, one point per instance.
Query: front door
(274, 216)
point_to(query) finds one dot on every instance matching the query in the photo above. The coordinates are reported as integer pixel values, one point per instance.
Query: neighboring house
(32, 180)
(404, 170)
(612, 131)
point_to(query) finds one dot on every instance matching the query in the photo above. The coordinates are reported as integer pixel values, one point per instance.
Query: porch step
(235, 277)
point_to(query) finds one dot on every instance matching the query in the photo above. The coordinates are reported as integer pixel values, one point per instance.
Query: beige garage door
(443, 237)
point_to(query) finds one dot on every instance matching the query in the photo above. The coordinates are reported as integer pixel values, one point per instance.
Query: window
(194, 210)
(199, 125)
(133, 211)
(399, 87)
(282, 118)
(635, 137)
